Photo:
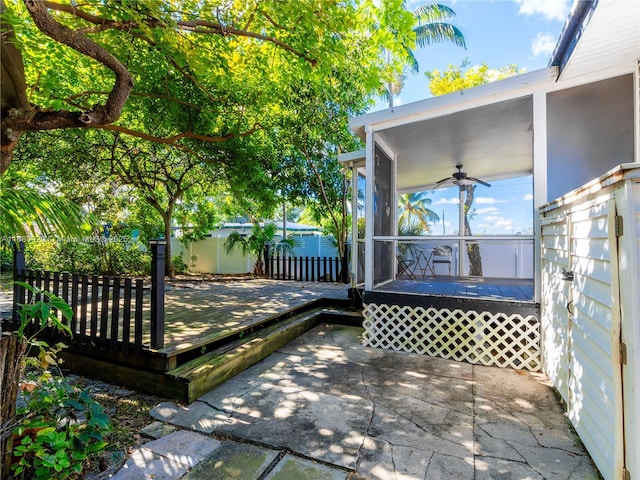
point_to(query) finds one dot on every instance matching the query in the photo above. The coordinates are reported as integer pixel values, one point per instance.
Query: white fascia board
(509, 88)
(593, 76)
(357, 156)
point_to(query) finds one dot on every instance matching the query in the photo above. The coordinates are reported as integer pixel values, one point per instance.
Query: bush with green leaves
(59, 426)
(94, 255)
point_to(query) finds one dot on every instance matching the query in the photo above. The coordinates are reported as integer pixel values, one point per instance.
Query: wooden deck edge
(185, 383)
(149, 382)
(217, 370)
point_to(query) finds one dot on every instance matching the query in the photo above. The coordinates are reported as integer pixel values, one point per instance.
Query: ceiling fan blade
(444, 180)
(477, 180)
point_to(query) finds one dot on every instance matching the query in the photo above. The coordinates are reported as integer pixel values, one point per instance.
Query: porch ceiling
(492, 142)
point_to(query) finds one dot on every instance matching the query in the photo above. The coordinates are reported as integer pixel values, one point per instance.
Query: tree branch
(173, 140)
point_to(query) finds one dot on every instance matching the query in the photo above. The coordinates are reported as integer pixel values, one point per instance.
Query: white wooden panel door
(555, 297)
(594, 400)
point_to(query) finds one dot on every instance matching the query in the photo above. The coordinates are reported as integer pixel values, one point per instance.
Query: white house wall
(590, 129)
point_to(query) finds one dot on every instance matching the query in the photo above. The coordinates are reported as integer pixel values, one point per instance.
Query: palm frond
(28, 212)
(438, 33)
(433, 12)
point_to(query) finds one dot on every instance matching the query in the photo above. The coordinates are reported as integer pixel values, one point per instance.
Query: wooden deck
(195, 311)
(514, 290)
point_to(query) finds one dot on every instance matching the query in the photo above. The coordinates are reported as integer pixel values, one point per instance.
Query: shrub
(59, 426)
(94, 255)
(179, 267)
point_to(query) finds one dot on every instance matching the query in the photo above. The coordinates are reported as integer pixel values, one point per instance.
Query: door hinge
(619, 225)
(623, 353)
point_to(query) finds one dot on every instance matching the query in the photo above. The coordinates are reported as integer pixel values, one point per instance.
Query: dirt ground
(129, 413)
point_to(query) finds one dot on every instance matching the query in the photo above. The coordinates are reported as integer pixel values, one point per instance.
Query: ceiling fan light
(463, 182)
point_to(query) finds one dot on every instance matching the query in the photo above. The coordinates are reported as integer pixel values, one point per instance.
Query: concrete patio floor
(325, 407)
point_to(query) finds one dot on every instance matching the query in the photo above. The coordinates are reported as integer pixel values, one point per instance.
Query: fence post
(158, 252)
(19, 267)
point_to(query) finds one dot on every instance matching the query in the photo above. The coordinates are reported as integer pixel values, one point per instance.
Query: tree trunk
(473, 249)
(11, 353)
(168, 265)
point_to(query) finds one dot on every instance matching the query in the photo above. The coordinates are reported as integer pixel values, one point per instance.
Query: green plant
(179, 266)
(59, 426)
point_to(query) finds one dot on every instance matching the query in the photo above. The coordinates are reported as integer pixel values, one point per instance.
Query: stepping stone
(234, 461)
(291, 467)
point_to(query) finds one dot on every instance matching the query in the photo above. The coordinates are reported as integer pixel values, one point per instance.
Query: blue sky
(498, 33)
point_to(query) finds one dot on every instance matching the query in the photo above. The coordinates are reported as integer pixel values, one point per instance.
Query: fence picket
(94, 309)
(95, 302)
(138, 320)
(126, 316)
(75, 281)
(84, 300)
(104, 310)
(115, 313)
(305, 268)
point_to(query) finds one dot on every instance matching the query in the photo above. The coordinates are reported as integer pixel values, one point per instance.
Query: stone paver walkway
(325, 407)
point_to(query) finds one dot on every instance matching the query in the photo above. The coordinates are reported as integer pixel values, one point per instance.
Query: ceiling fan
(460, 178)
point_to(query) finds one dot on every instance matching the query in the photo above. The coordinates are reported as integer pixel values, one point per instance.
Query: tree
(430, 27)
(452, 80)
(128, 183)
(455, 78)
(413, 209)
(161, 176)
(85, 65)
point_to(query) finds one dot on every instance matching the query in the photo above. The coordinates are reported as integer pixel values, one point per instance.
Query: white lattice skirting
(492, 339)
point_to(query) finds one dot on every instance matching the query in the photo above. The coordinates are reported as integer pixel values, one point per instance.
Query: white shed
(590, 313)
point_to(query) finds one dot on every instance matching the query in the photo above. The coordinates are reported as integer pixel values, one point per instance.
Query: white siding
(580, 350)
(555, 297)
(629, 207)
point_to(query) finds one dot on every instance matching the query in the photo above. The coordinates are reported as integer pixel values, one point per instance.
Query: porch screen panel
(382, 215)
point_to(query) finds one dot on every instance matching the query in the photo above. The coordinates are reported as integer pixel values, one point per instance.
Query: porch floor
(519, 290)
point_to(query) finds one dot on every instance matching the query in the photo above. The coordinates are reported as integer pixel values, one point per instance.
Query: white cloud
(495, 224)
(447, 201)
(543, 44)
(528, 197)
(484, 211)
(550, 9)
(487, 201)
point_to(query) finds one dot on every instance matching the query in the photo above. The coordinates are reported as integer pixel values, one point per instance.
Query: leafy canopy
(184, 72)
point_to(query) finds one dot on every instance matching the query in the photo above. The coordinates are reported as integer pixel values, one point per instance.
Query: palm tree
(414, 211)
(431, 27)
(256, 243)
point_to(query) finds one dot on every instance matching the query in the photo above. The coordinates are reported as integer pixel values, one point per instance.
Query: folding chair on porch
(405, 266)
(441, 255)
